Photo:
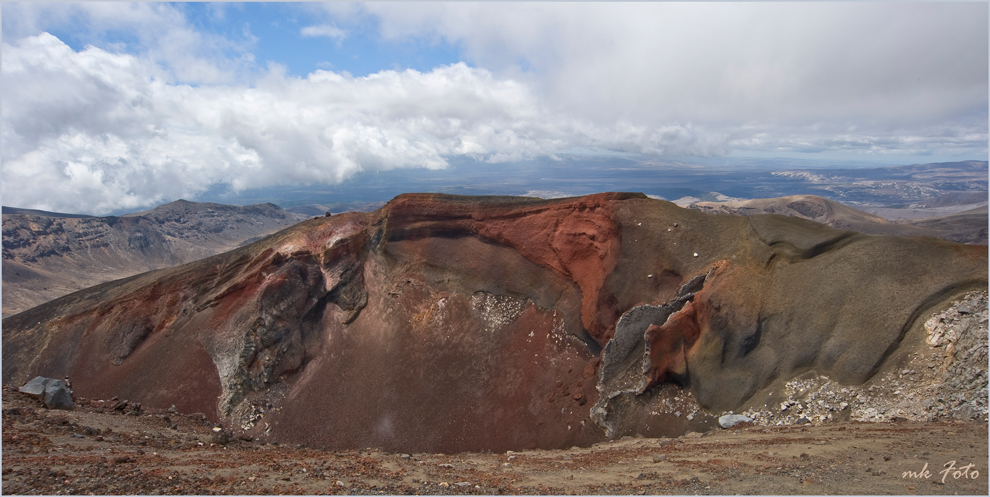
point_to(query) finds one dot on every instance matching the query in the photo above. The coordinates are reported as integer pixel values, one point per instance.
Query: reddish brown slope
(443, 323)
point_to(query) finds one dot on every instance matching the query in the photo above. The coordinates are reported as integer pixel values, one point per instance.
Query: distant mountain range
(669, 179)
(49, 254)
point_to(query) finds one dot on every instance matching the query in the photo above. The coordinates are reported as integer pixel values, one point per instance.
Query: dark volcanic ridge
(47, 255)
(446, 323)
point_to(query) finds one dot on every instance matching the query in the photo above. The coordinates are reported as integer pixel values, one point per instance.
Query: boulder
(35, 387)
(55, 394)
(58, 395)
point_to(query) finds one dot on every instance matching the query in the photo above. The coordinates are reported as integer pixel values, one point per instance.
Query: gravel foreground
(116, 447)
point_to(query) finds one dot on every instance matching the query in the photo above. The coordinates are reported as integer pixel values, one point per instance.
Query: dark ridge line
(791, 253)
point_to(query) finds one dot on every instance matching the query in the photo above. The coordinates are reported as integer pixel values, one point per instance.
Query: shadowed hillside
(47, 255)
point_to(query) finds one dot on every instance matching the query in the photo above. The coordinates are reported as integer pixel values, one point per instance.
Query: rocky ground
(115, 447)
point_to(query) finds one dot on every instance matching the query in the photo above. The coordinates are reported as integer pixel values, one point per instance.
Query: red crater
(446, 323)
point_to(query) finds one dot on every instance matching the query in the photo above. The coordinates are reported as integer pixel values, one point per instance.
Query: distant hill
(36, 212)
(952, 198)
(47, 255)
(966, 227)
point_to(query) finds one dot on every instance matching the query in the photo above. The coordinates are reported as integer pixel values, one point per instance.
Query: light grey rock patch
(730, 420)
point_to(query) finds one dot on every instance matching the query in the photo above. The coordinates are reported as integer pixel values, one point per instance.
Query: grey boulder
(55, 394)
(35, 387)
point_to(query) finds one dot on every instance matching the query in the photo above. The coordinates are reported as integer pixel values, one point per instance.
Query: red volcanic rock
(578, 240)
(445, 323)
(668, 344)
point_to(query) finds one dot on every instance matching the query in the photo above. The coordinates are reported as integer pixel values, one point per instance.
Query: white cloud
(726, 64)
(96, 131)
(175, 110)
(325, 30)
(157, 31)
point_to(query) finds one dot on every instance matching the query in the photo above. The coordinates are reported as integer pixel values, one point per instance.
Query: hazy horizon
(667, 179)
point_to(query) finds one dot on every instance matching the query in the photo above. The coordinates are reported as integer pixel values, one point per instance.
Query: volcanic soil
(115, 447)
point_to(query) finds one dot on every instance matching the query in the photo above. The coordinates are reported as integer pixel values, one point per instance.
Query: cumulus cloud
(158, 32)
(88, 125)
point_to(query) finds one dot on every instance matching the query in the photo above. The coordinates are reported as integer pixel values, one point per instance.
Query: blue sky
(110, 106)
(277, 29)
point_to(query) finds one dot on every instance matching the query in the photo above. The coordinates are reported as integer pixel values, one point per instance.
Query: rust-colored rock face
(578, 240)
(670, 342)
(444, 323)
